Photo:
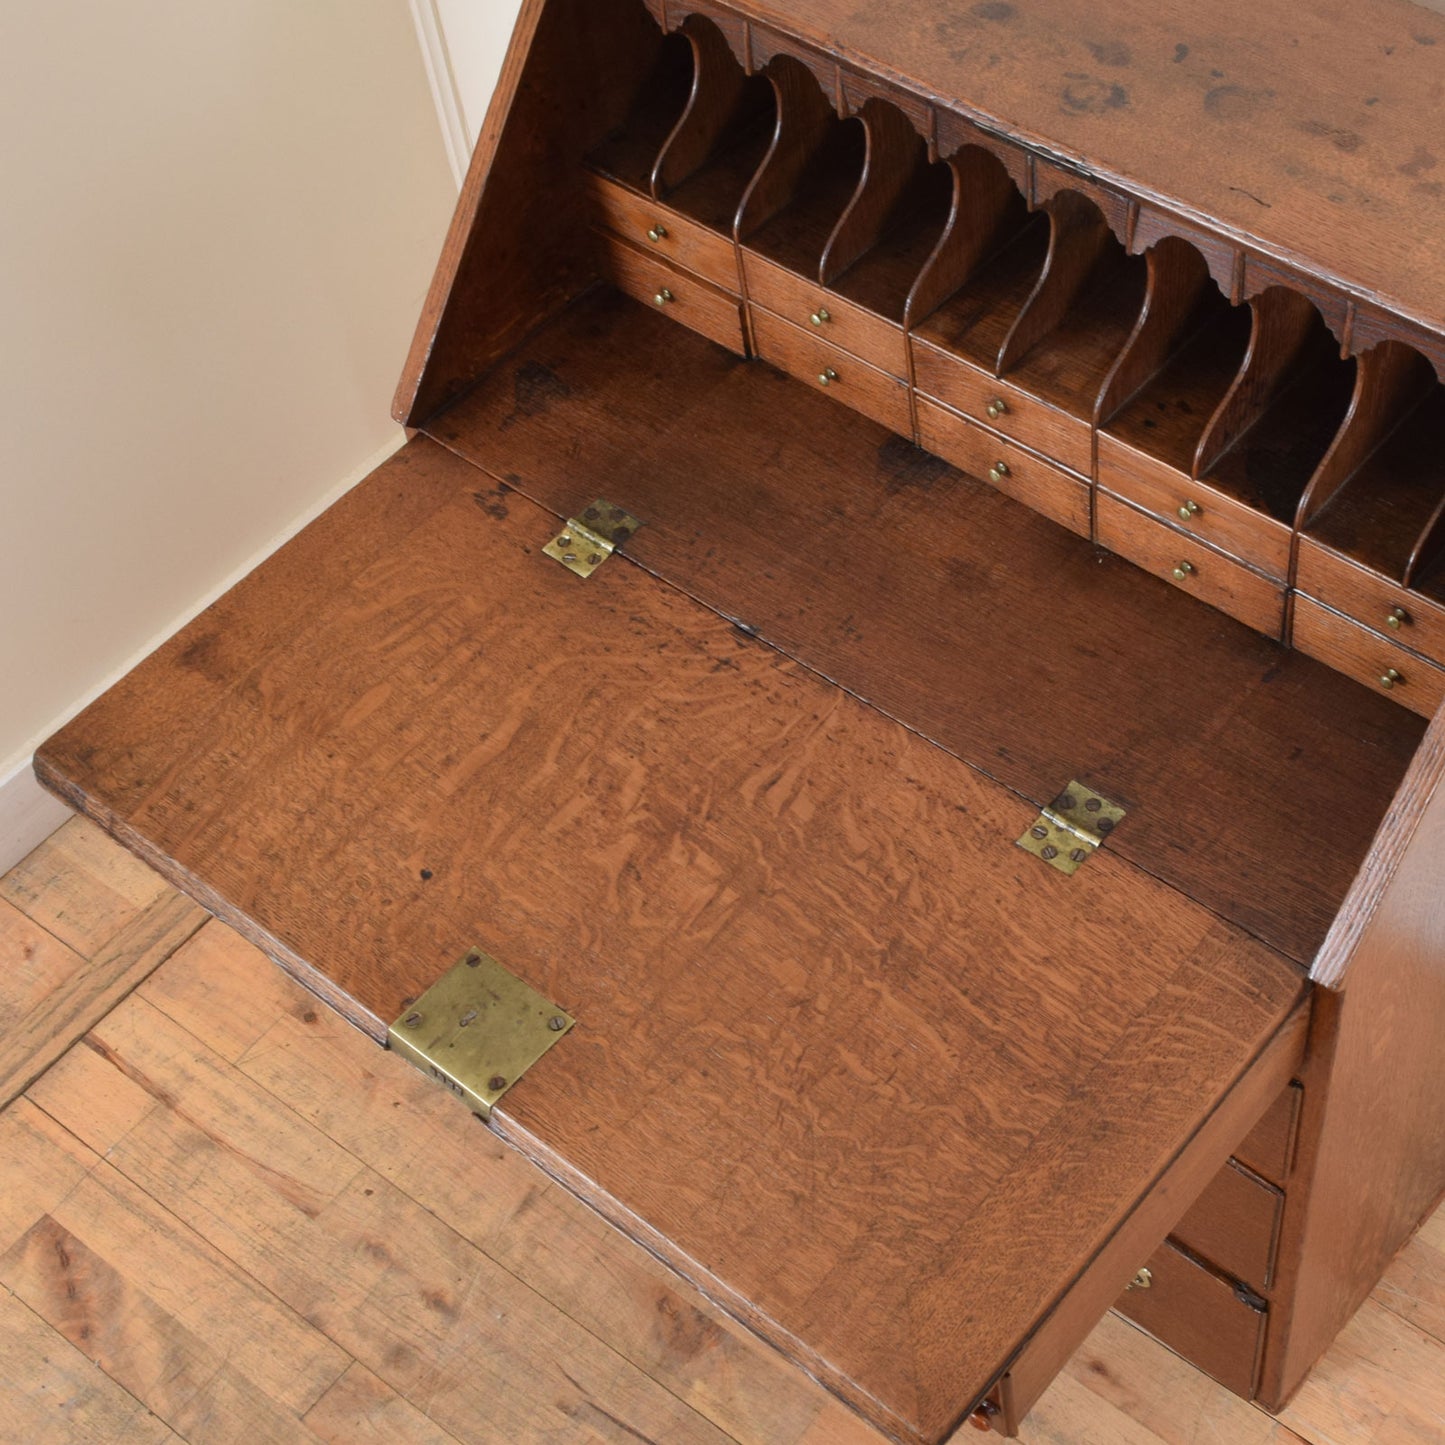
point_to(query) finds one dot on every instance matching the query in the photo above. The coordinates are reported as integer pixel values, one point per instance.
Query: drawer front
(1367, 657)
(676, 293)
(1268, 1149)
(1225, 584)
(1003, 407)
(1198, 509)
(680, 239)
(844, 377)
(1234, 1224)
(872, 338)
(1371, 600)
(1033, 481)
(1201, 1317)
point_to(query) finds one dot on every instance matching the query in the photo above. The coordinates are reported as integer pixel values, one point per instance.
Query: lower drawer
(1202, 1317)
(1234, 1224)
(677, 293)
(1367, 657)
(844, 376)
(1223, 583)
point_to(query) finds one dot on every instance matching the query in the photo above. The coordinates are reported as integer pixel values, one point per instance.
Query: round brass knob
(1188, 510)
(997, 407)
(1183, 570)
(982, 1418)
(1397, 619)
(657, 233)
(1391, 678)
(663, 297)
(820, 317)
(998, 471)
(1142, 1279)
(828, 377)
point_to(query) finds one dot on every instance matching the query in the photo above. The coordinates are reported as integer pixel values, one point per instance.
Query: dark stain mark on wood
(1089, 95)
(493, 503)
(1181, 51)
(1235, 102)
(904, 467)
(535, 388)
(1111, 52)
(994, 10)
(1419, 163)
(1344, 140)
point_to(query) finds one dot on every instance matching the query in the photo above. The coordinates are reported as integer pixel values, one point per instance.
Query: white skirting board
(28, 815)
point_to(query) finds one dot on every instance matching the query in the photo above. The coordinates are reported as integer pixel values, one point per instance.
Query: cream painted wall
(218, 224)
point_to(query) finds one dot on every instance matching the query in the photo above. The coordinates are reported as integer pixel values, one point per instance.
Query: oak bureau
(886, 726)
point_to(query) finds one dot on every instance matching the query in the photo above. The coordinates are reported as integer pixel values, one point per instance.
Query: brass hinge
(586, 542)
(1072, 828)
(478, 1029)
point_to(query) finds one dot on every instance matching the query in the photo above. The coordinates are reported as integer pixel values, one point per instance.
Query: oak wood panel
(1199, 1314)
(1024, 417)
(678, 295)
(681, 240)
(842, 376)
(1212, 515)
(1039, 485)
(945, 618)
(1234, 1225)
(1268, 1148)
(1223, 583)
(719, 90)
(1371, 600)
(733, 1029)
(797, 299)
(1368, 657)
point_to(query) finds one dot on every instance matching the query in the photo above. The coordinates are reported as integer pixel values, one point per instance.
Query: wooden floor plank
(395, 1287)
(398, 1123)
(50, 1394)
(359, 1409)
(1414, 1284)
(40, 1163)
(33, 963)
(80, 887)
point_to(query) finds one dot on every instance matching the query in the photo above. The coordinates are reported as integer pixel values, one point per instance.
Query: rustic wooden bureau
(911, 627)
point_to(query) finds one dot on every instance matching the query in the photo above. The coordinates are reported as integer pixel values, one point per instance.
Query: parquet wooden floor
(226, 1217)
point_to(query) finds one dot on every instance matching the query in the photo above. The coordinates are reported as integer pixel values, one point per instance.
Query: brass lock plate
(1072, 828)
(478, 1029)
(588, 540)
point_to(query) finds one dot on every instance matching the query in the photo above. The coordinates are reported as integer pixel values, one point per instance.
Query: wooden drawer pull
(982, 1418)
(1188, 511)
(1183, 570)
(1397, 619)
(1391, 679)
(828, 377)
(820, 317)
(997, 407)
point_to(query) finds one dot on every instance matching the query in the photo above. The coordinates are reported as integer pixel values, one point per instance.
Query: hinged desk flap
(838, 1041)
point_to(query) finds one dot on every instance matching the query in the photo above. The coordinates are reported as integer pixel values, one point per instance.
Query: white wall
(217, 228)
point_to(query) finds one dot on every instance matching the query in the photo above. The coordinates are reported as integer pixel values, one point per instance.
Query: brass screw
(496, 1083)
(828, 377)
(1188, 510)
(412, 1021)
(556, 1023)
(998, 471)
(820, 317)
(1390, 678)
(1142, 1280)
(657, 233)
(663, 297)
(1397, 619)
(997, 407)
(1183, 570)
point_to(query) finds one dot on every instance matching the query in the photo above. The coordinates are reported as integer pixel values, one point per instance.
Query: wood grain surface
(953, 608)
(823, 1102)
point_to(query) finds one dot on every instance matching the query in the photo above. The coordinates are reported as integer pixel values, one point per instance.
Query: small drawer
(844, 377)
(1268, 1148)
(841, 323)
(1200, 510)
(1223, 583)
(676, 293)
(668, 233)
(1368, 658)
(1036, 483)
(1004, 407)
(1385, 607)
(1234, 1224)
(1215, 1326)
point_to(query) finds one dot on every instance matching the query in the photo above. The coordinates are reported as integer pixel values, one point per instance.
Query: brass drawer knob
(657, 233)
(828, 377)
(821, 317)
(1390, 678)
(1397, 619)
(1143, 1279)
(1183, 570)
(997, 407)
(663, 297)
(1188, 511)
(998, 471)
